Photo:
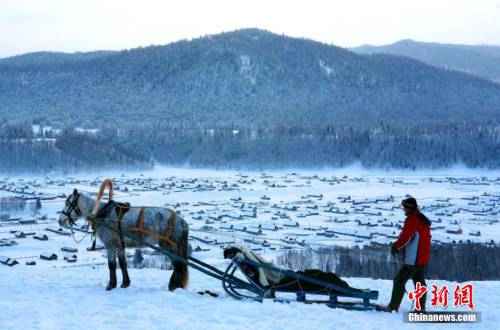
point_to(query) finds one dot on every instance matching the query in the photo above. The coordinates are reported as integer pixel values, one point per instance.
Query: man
(415, 244)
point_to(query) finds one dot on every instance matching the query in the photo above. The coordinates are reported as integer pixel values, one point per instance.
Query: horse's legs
(123, 266)
(183, 252)
(176, 278)
(112, 269)
(180, 275)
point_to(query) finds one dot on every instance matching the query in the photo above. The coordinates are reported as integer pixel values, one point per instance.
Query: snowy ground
(61, 295)
(74, 298)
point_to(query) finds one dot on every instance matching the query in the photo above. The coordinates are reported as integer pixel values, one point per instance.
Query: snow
(45, 297)
(92, 131)
(326, 69)
(37, 129)
(245, 64)
(61, 295)
(246, 68)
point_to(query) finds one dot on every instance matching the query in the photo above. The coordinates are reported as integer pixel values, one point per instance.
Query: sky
(86, 25)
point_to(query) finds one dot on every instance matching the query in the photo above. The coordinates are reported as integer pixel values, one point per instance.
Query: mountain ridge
(241, 78)
(480, 60)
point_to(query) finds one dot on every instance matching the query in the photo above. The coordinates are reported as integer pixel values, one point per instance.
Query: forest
(142, 146)
(463, 261)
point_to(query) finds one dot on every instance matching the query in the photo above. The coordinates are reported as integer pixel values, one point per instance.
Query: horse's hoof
(110, 287)
(125, 284)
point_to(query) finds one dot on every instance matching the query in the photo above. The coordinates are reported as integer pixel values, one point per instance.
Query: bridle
(73, 206)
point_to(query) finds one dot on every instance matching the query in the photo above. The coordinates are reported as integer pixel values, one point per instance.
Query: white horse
(120, 218)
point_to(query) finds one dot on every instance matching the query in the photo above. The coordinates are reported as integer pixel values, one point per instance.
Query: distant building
(48, 256)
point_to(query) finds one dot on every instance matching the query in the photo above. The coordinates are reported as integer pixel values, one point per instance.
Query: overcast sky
(84, 25)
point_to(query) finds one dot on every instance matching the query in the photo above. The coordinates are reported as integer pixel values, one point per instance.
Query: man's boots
(389, 308)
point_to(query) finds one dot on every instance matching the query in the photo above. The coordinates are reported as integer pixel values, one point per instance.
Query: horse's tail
(183, 251)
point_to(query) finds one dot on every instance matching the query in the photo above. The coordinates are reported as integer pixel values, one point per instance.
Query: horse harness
(121, 209)
(73, 206)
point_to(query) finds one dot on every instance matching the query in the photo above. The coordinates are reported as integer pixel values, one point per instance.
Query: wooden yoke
(106, 183)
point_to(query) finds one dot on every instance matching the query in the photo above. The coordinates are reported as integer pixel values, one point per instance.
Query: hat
(409, 203)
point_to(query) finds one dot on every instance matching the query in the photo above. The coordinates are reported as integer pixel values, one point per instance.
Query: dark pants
(417, 274)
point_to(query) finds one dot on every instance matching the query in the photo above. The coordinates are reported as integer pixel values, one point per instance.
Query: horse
(120, 217)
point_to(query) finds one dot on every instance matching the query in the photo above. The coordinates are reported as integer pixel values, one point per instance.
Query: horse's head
(71, 210)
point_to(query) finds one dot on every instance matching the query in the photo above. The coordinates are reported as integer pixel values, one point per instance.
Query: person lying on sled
(269, 278)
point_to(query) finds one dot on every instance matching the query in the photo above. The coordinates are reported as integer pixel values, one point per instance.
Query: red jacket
(415, 239)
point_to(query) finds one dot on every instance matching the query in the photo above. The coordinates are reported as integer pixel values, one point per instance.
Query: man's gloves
(394, 250)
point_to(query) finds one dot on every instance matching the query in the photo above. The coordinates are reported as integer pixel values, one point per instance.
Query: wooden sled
(255, 291)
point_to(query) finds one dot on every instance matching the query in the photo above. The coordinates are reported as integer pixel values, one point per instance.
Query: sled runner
(267, 280)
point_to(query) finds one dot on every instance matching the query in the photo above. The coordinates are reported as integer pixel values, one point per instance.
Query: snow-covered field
(270, 212)
(53, 297)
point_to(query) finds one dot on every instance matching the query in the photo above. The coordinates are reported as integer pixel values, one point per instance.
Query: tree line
(139, 146)
(452, 262)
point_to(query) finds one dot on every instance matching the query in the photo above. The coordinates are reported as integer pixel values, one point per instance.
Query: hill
(482, 61)
(244, 78)
(245, 99)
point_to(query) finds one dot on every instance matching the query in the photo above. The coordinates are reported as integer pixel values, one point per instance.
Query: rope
(281, 244)
(73, 235)
(383, 255)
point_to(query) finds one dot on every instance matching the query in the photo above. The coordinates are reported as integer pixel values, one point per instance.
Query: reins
(73, 235)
